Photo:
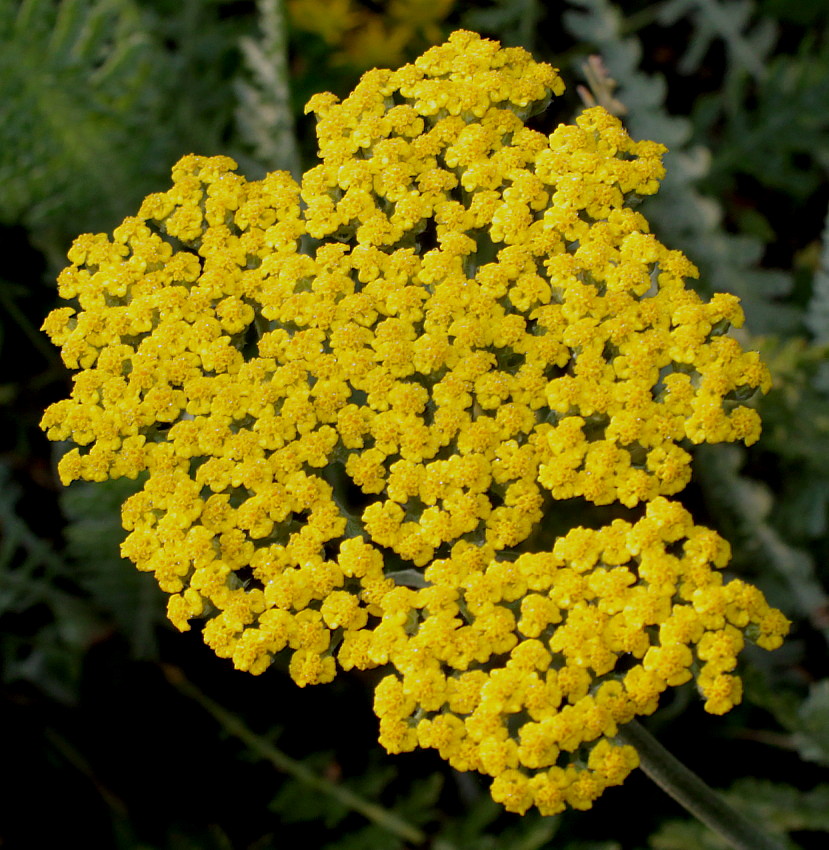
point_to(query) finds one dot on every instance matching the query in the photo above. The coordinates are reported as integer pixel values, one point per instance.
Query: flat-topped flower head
(355, 400)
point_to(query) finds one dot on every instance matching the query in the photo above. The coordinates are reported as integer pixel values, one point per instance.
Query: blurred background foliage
(106, 741)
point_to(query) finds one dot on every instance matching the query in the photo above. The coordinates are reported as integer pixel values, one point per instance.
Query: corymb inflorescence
(359, 403)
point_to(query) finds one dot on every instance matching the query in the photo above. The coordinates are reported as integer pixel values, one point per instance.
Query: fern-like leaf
(778, 133)
(680, 213)
(747, 41)
(746, 505)
(73, 84)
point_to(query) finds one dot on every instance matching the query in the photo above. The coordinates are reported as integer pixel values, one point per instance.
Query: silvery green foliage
(773, 130)
(811, 725)
(747, 40)
(681, 214)
(747, 505)
(264, 114)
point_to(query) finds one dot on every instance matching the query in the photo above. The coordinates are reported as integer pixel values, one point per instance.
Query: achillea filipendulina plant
(357, 399)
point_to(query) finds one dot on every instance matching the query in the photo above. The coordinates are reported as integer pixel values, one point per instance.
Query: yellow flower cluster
(356, 399)
(524, 669)
(364, 35)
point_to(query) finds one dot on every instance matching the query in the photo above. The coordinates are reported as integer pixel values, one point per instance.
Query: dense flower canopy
(360, 403)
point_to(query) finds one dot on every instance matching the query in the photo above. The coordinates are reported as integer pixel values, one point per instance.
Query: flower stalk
(705, 804)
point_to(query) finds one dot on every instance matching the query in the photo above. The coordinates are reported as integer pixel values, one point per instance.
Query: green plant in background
(212, 76)
(358, 415)
(365, 35)
(75, 97)
(92, 110)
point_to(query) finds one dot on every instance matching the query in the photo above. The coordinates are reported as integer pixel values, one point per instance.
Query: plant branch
(264, 749)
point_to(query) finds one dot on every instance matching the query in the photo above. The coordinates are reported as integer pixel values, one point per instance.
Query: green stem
(264, 749)
(693, 794)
